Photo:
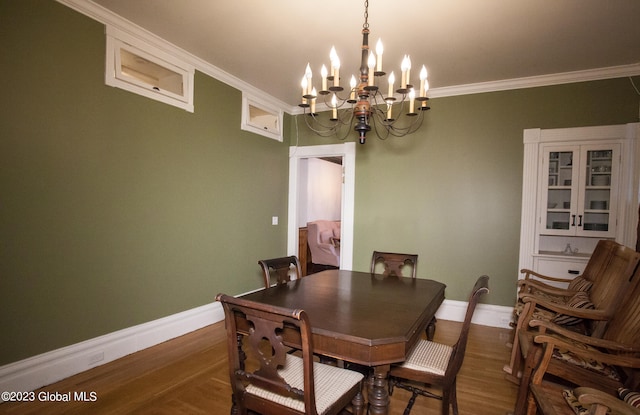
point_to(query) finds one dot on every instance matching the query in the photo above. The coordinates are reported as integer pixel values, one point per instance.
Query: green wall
(117, 209)
(452, 192)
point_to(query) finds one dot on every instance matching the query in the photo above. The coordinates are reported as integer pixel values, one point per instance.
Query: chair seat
(428, 356)
(589, 364)
(538, 313)
(331, 384)
(556, 299)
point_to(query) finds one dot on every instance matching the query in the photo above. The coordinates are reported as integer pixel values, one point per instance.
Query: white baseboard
(47, 368)
(484, 315)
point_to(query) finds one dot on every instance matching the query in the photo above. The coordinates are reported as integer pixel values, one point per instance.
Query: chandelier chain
(366, 15)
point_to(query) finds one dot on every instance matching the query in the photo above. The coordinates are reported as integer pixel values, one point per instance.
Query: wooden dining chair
(282, 270)
(556, 399)
(437, 364)
(394, 263)
(268, 380)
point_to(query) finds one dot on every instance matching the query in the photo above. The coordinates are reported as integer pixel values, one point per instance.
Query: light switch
(274, 220)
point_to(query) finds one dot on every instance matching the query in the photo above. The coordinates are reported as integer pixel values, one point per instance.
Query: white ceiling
(267, 43)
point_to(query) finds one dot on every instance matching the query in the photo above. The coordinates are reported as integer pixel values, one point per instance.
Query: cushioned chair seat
(331, 384)
(589, 364)
(538, 313)
(428, 356)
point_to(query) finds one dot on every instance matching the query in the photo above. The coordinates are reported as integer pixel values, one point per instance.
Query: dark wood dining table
(361, 318)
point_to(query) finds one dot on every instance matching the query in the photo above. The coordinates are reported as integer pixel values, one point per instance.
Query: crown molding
(538, 81)
(108, 18)
(105, 16)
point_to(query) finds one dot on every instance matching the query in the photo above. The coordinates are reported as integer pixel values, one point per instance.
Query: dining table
(361, 318)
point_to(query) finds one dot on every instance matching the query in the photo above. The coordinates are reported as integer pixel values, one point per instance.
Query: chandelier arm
(319, 123)
(347, 131)
(327, 101)
(327, 131)
(377, 126)
(410, 129)
(323, 130)
(346, 116)
(341, 102)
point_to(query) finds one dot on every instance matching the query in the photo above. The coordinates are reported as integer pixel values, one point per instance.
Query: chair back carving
(265, 378)
(263, 326)
(280, 270)
(394, 263)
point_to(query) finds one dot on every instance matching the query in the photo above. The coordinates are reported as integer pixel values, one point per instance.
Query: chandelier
(364, 107)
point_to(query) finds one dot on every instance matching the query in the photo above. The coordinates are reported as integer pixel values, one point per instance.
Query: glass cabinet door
(599, 173)
(559, 194)
(579, 191)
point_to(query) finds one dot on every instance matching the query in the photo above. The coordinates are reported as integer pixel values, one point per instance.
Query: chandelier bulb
(323, 74)
(379, 51)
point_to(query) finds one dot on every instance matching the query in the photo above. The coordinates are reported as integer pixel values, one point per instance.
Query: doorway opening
(323, 158)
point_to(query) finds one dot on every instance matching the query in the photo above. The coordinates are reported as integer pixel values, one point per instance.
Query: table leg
(379, 391)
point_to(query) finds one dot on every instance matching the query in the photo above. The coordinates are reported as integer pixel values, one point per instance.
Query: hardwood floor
(189, 375)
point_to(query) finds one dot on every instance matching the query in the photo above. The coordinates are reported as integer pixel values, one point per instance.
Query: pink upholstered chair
(324, 242)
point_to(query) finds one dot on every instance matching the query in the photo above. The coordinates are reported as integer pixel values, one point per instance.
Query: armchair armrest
(526, 286)
(585, 313)
(551, 328)
(528, 273)
(552, 341)
(590, 396)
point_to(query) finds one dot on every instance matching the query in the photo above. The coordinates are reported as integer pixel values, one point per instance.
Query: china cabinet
(580, 185)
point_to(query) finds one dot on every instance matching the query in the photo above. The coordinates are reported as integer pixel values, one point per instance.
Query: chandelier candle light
(367, 108)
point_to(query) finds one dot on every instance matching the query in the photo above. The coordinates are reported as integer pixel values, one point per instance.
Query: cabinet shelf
(556, 254)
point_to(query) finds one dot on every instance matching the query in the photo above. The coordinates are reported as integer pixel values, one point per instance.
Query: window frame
(247, 124)
(117, 41)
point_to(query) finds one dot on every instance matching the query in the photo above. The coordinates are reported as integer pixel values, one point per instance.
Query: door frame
(348, 153)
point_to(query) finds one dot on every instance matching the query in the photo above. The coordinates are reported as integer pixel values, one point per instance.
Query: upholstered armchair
(324, 242)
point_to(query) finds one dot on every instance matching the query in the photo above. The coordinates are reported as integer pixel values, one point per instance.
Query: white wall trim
(484, 315)
(538, 81)
(47, 368)
(107, 17)
(50, 367)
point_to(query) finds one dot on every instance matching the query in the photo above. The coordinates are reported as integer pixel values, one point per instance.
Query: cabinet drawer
(560, 267)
